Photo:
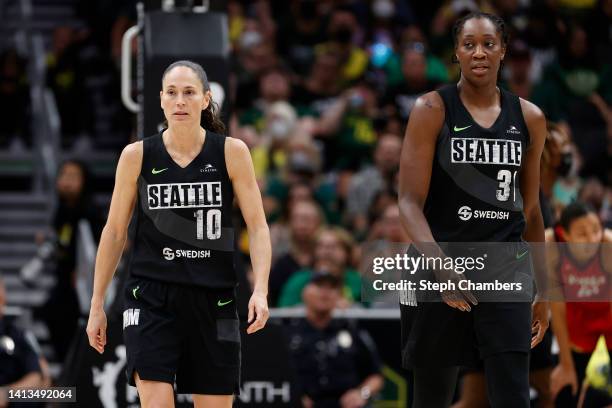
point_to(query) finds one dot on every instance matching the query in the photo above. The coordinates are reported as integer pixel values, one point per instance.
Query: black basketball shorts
(184, 334)
(435, 334)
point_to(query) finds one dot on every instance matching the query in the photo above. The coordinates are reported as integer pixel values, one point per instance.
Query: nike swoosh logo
(519, 256)
(220, 303)
(158, 171)
(134, 291)
(459, 129)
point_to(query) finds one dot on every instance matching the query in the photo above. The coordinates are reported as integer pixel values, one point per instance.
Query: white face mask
(383, 8)
(279, 129)
(249, 39)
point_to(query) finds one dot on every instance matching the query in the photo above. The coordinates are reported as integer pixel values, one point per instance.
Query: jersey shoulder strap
(150, 147)
(512, 103)
(449, 96)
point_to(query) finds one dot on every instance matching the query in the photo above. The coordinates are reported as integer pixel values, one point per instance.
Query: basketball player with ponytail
(180, 322)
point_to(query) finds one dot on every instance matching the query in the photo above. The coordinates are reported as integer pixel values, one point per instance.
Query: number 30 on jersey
(213, 224)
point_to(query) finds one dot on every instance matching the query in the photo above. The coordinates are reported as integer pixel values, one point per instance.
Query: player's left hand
(539, 322)
(258, 312)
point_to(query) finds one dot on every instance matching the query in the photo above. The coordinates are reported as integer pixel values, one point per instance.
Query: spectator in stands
(436, 68)
(367, 182)
(557, 162)
(296, 251)
(278, 129)
(14, 98)
(348, 127)
(401, 97)
(386, 19)
(388, 227)
(599, 26)
(19, 361)
(319, 90)
(65, 77)
(518, 69)
(332, 255)
(74, 188)
(336, 363)
(274, 87)
(342, 33)
(299, 32)
(577, 89)
(302, 165)
(255, 56)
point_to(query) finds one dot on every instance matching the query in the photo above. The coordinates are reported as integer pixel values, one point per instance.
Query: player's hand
(96, 328)
(539, 322)
(561, 377)
(352, 399)
(258, 312)
(460, 299)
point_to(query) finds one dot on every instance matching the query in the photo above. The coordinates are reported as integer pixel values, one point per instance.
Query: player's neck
(481, 96)
(183, 139)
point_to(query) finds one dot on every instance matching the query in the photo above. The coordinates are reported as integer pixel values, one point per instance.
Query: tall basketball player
(180, 320)
(473, 146)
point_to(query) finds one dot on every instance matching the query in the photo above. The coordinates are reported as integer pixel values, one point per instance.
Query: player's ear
(207, 99)
(160, 97)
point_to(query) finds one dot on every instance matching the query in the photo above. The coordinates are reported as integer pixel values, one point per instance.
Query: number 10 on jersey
(213, 224)
(505, 178)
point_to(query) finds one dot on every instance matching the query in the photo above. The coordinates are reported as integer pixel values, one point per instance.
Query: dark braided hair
(210, 115)
(498, 22)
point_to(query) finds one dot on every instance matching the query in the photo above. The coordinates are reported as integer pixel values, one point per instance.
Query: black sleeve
(368, 360)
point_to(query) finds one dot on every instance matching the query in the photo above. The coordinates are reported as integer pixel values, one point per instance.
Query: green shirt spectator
(291, 294)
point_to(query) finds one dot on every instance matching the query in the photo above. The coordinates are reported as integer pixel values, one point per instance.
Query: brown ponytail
(211, 120)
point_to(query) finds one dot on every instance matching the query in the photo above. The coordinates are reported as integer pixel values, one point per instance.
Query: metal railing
(45, 119)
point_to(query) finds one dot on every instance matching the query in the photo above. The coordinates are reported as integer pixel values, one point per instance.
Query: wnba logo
(465, 213)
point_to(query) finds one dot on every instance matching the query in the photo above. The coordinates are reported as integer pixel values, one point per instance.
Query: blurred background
(321, 92)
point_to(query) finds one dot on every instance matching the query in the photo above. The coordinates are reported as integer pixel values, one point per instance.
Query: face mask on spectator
(279, 129)
(249, 39)
(383, 8)
(342, 34)
(565, 165)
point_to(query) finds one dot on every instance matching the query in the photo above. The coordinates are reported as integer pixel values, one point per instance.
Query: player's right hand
(96, 329)
(460, 299)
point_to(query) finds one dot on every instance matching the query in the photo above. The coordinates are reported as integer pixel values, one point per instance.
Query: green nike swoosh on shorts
(519, 256)
(134, 291)
(220, 303)
(459, 129)
(158, 171)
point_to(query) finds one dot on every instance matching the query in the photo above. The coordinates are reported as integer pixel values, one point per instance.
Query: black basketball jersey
(184, 231)
(474, 194)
